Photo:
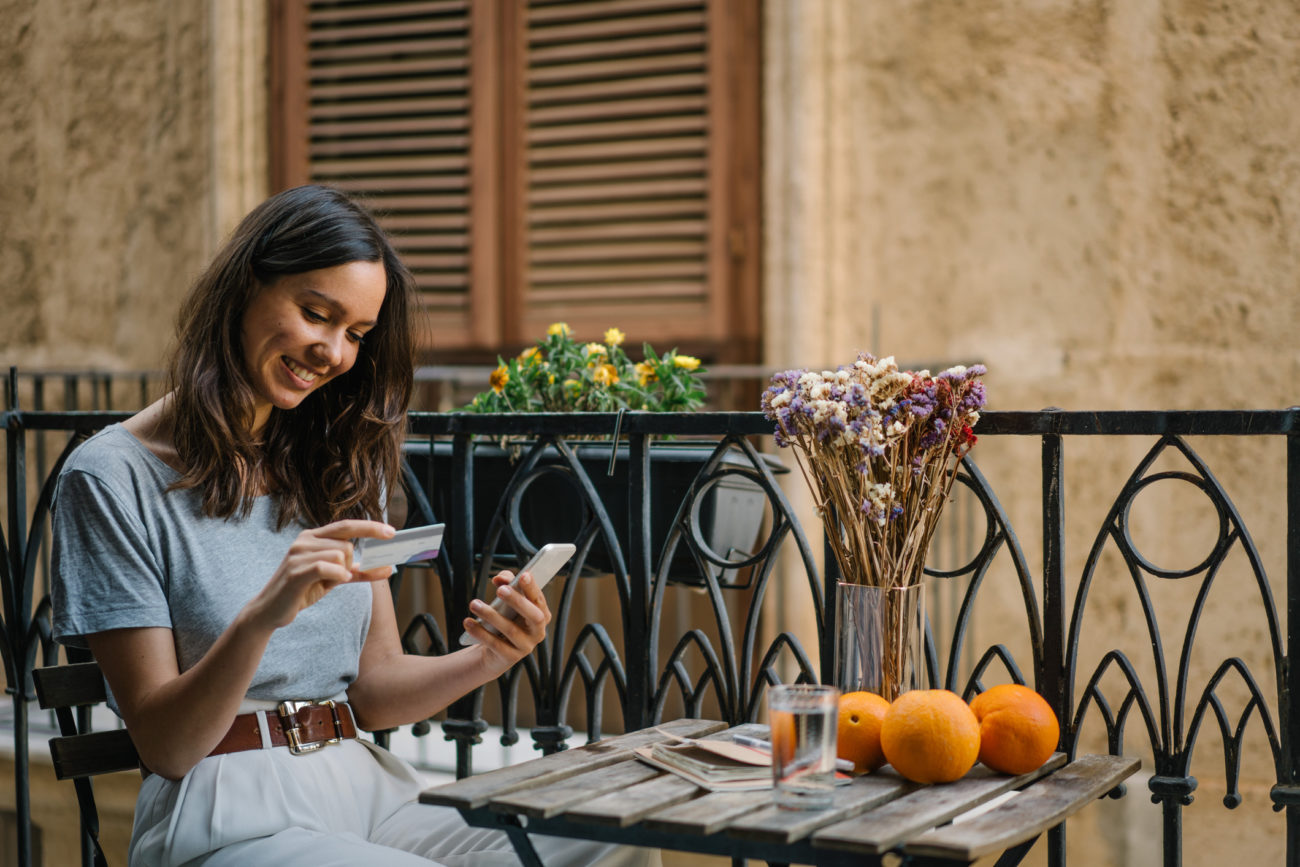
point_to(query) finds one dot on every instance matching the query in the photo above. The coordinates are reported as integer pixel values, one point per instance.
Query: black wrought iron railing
(692, 565)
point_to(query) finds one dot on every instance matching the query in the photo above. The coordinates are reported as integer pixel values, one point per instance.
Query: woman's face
(305, 329)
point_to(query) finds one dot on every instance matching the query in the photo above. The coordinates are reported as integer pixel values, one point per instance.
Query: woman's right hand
(318, 561)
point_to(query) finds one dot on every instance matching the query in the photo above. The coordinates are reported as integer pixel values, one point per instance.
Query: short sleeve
(104, 572)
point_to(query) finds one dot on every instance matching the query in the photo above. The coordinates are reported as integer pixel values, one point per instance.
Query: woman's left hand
(517, 634)
(394, 688)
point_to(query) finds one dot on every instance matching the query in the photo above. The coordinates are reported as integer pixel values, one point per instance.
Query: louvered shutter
(592, 161)
(617, 173)
(387, 115)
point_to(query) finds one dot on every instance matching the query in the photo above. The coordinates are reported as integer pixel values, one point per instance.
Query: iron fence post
(16, 616)
(1290, 687)
(1051, 680)
(463, 575)
(636, 627)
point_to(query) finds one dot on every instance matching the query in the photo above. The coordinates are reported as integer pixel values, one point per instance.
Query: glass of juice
(803, 718)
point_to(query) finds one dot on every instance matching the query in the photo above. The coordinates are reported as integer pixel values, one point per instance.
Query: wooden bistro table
(602, 792)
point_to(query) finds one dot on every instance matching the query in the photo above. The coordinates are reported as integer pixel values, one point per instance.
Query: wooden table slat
(890, 824)
(708, 813)
(1040, 807)
(474, 792)
(631, 804)
(543, 802)
(776, 825)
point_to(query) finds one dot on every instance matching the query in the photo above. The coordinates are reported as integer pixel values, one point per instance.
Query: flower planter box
(551, 507)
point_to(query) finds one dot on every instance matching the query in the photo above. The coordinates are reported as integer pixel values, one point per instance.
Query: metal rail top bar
(1281, 422)
(1148, 423)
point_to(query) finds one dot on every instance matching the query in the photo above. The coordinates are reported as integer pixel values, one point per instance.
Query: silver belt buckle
(288, 713)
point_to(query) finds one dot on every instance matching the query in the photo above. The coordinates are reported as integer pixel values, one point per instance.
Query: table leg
(519, 839)
(1016, 854)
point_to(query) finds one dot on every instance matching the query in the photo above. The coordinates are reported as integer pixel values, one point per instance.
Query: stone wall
(1099, 201)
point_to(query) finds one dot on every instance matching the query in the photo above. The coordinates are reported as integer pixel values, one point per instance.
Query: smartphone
(408, 546)
(545, 563)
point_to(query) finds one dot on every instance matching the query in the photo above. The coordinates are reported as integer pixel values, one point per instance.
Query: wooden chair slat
(75, 685)
(93, 753)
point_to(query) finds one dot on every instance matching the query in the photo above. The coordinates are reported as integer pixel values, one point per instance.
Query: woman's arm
(176, 719)
(394, 688)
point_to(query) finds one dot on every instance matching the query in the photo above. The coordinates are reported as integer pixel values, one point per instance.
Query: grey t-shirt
(129, 553)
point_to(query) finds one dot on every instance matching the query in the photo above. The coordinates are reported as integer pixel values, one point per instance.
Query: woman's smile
(307, 376)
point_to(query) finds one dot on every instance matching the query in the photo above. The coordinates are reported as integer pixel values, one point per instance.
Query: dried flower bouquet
(879, 448)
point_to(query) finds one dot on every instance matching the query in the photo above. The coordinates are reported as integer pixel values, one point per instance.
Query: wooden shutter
(385, 112)
(592, 161)
(622, 191)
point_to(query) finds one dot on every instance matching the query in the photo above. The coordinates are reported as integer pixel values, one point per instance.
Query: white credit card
(408, 546)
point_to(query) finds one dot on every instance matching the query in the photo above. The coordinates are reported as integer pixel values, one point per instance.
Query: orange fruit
(858, 737)
(930, 736)
(1018, 731)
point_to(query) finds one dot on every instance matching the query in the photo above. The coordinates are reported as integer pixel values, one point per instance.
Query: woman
(202, 551)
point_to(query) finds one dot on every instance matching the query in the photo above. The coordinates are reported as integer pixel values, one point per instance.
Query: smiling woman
(304, 274)
(203, 551)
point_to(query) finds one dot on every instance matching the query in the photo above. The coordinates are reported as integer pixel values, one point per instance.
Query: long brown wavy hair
(330, 457)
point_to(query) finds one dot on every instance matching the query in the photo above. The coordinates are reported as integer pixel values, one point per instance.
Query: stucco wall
(1089, 194)
(1098, 200)
(129, 133)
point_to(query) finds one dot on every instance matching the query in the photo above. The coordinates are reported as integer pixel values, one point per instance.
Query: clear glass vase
(879, 638)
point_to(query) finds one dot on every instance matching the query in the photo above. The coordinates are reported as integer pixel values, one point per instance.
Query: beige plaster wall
(1101, 195)
(1098, 200)
(130, 133)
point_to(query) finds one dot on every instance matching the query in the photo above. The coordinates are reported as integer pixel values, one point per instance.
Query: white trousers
(350, 804)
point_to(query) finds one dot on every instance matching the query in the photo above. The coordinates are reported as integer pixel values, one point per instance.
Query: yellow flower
(560, 328)
(595, 349)
(645, 373)
(606, 375)
(686, 362)
(614, 337)
(531, 355)
(499, 378)
(572, 385)
(550, 379)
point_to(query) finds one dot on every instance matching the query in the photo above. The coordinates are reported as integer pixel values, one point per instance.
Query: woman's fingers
(523, 622)
(530, 591)
(339, 535)
(355, 528)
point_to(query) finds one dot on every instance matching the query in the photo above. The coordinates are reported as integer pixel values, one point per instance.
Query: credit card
(408, 546)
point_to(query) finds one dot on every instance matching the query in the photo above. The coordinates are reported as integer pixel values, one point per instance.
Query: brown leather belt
(301, 726)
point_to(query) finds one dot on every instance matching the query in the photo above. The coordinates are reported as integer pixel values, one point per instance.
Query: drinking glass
(804, 718)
